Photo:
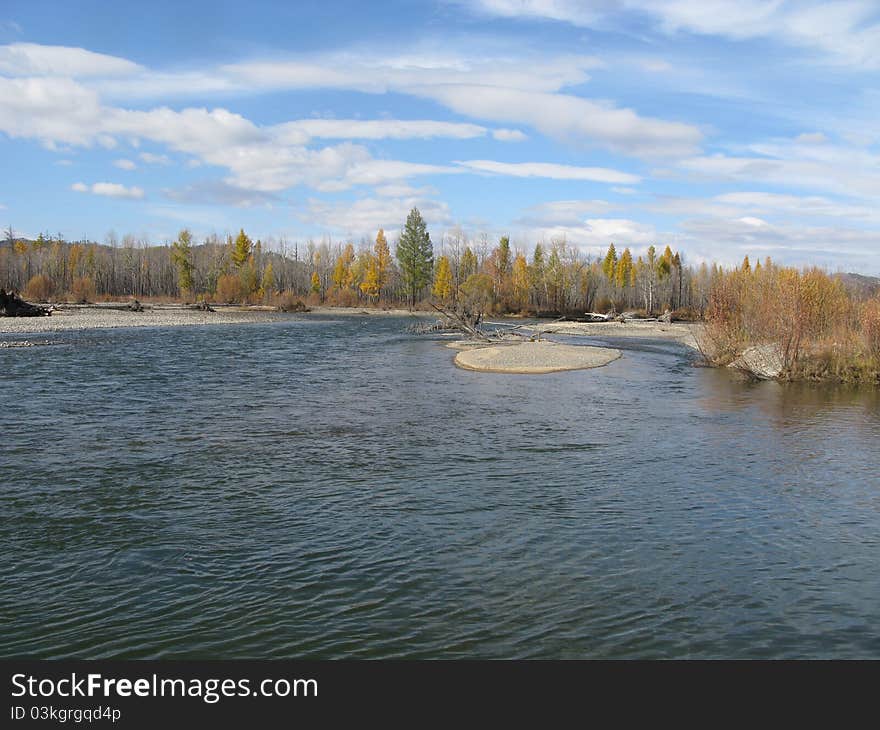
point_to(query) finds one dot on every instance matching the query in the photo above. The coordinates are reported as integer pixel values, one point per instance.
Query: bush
(289, 302)
(686, 314)
(82, 290)
(228, 289)
(870, 322)
(39, 288)
(807, 314)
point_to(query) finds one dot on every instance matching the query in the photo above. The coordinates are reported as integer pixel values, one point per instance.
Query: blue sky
(721, 128)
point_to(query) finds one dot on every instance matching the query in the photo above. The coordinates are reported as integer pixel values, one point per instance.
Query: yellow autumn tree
(372, 283)
(342, 270)
(624, 271)
(383, 260)
(442, 279)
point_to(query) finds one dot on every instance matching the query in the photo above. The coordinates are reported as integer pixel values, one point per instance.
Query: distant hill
(861, 285)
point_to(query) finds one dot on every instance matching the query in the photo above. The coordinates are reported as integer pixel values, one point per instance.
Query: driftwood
(597, 317)
(202, 306)
(465, 321)
(14, 306)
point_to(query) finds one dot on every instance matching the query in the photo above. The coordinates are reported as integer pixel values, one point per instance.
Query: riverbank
(97, 317)
(683, 332)
(108, 316)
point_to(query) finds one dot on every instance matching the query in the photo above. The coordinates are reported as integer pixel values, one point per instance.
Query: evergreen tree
(181, 257)
(504, 256)
(415, 255)
(468, 266)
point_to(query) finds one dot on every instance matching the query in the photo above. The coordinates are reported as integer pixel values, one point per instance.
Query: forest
(554, 277)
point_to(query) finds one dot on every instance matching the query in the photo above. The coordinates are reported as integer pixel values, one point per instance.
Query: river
(324, 488)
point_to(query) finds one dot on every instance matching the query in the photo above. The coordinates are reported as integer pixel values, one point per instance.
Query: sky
(723, 129)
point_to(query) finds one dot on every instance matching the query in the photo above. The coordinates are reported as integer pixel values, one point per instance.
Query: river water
(325, 488)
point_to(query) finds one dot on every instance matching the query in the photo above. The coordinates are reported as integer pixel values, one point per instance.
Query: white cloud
(110, 190)
(509, 135)
(564, 212)
(301, 131)
(811, 138)
(506, 89)
(363, 217)
(31, 59)
(838, 170)
(420, 66)
(549, 170)
(845, 32)
(594, 234)
(153, 159)
(257, 158)
(218, 192)
(401, 190)
(124, 164)
(729, 240)
(572, 119)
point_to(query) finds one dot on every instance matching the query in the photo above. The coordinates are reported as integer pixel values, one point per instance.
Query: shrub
(228, 289)
(82, 290)
(870, 322)
(39, 288)
(808, 315)
(289, 302)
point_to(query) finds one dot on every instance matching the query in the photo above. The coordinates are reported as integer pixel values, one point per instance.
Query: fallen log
(465, 321)
(12, 305)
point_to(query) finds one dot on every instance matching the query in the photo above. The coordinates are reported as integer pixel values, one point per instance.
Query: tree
(625, 272)
(372, 283)
(442, 279)
(241, 250)
(181, 257)
(664, 266)
(316, 283)
(521, 279)
(342, 275)
(609, 264)
(468, 264)
(383, 261)
(267, 285)
(504, 256)
(415, 254)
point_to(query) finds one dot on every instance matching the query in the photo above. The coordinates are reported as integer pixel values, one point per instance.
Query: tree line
(551, 277)
(554, 277)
